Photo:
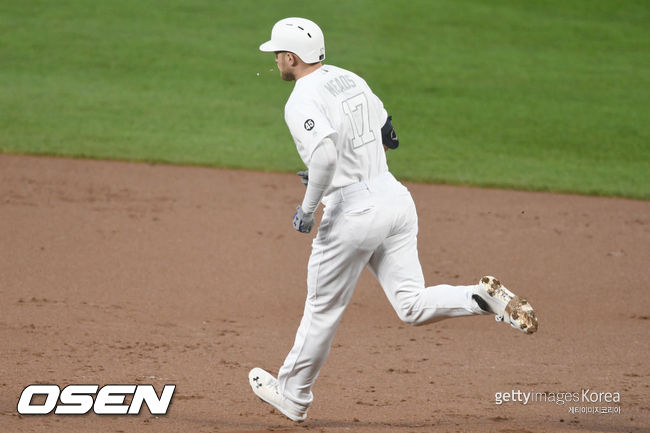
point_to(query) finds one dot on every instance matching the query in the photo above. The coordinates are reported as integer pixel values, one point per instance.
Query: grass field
(542, 95)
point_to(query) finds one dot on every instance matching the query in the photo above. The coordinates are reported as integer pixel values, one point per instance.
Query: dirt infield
(118, 273)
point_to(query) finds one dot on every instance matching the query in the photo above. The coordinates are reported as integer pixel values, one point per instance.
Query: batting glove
(304, 176)
(303, 222)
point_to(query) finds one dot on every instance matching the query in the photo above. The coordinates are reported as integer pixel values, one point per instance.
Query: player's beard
(287, 75)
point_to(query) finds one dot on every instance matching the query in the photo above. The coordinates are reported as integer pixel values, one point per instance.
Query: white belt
(339, 194)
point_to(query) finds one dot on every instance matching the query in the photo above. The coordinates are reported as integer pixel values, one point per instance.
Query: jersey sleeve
(383, 114)
(308, 125)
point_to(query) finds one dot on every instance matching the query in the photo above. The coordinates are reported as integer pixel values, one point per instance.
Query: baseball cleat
(492, 296)
(265, 386)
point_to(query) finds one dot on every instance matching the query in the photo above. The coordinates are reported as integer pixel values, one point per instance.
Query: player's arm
(388, 135)
(321, 172)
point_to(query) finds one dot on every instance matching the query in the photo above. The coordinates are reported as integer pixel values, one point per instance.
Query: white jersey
(336, 103)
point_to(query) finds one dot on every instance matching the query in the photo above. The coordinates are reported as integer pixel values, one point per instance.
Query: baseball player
(342, 130)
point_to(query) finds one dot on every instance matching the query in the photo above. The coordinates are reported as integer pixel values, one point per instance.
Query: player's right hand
(303, 222)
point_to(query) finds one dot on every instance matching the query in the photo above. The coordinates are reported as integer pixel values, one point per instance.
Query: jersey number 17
(356, 108)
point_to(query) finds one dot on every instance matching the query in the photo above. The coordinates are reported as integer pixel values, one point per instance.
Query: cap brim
(268, 47)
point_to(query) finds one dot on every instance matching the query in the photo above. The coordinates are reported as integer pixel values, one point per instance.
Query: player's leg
(340, 252)
(397, 267)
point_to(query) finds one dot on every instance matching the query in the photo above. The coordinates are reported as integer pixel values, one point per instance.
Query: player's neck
(307, 69)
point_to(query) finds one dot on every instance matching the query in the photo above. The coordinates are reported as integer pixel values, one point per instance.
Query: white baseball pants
(370, 224)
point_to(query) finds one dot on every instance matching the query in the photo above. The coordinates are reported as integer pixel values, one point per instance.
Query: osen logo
(80, 399)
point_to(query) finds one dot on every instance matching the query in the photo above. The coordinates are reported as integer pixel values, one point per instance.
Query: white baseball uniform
(369, 220)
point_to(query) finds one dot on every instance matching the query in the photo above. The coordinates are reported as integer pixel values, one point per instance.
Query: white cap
(299, 36)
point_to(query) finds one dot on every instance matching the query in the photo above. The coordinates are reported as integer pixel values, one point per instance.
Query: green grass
(541, 95)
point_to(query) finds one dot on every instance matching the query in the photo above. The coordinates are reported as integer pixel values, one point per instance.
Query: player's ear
(292, 58)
